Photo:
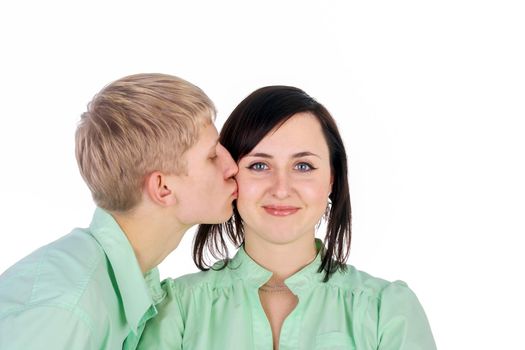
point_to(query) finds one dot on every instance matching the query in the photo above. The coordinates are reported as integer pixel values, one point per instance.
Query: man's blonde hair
(134, 126)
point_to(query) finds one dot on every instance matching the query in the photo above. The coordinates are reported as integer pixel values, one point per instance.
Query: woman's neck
(283, 260)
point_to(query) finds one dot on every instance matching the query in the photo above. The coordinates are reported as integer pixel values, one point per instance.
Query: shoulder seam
(80, 314)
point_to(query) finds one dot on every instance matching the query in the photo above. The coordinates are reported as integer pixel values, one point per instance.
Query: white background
(429, 97)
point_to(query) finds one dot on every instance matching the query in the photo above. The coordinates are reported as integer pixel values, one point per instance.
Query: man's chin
(226, 217)
(220, 220)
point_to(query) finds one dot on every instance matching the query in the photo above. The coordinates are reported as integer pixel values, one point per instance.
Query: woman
(284, 289)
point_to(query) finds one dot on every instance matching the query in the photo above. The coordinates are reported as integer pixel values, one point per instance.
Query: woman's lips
(278, 210)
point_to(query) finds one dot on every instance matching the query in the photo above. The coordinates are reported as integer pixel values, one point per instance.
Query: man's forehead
(208, 138)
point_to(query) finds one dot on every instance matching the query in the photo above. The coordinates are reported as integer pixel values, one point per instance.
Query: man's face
(206, 191)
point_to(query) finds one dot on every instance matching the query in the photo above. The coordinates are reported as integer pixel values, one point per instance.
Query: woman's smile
(280, 210)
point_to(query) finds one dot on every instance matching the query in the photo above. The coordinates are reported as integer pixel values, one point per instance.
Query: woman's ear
(159, 189)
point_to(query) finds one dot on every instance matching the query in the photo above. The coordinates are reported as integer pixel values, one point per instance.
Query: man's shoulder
(56, 274)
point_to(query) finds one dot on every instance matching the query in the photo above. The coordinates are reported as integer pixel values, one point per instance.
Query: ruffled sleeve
(402, 323)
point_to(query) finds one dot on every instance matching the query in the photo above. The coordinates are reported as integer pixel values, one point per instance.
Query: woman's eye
(258, 166)
(304, 167)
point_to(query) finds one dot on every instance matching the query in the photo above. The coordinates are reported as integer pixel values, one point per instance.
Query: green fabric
(221, 310)
(83, 291)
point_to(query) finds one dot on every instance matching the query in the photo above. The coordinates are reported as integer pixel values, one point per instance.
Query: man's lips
(235, 192)
(280, 210)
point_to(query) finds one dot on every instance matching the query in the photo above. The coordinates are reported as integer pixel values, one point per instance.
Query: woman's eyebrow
(260, 155)
(305, 154)
(295, 155)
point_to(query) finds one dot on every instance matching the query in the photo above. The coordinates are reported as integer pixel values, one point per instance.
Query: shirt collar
(256, 275)
(138, 292)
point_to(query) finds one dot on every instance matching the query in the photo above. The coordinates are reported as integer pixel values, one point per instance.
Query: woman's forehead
(301, 134)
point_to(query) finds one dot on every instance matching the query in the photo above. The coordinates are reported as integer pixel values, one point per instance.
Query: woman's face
(284, 182)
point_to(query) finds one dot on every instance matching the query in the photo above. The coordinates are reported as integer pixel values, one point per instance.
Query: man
(148, 151)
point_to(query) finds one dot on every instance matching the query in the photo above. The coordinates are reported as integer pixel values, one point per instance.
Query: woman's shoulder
(217, 276)
(392, 308)
(361, 282)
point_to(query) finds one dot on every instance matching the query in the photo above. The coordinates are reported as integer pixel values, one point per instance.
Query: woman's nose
(281, 185)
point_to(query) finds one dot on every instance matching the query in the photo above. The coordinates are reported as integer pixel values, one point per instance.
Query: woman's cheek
(249, 187)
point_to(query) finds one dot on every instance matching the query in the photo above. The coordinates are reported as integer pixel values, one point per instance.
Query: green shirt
(83, 291)
(221, 310)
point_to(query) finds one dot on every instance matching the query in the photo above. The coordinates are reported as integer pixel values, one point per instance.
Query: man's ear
(159, 189)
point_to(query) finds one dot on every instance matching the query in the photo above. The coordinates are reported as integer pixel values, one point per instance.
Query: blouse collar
(255, 275)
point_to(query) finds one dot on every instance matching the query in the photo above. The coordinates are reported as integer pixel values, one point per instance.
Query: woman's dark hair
(262, 111)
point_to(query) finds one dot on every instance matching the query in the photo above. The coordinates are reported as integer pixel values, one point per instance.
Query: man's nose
(229, 166)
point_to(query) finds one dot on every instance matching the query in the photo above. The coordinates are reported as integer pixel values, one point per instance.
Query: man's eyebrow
(295, 155)
(214, 146)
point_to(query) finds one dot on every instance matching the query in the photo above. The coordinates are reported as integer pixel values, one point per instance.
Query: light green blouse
(221, 310)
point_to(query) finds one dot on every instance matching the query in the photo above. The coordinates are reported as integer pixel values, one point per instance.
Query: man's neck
(153, 234)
